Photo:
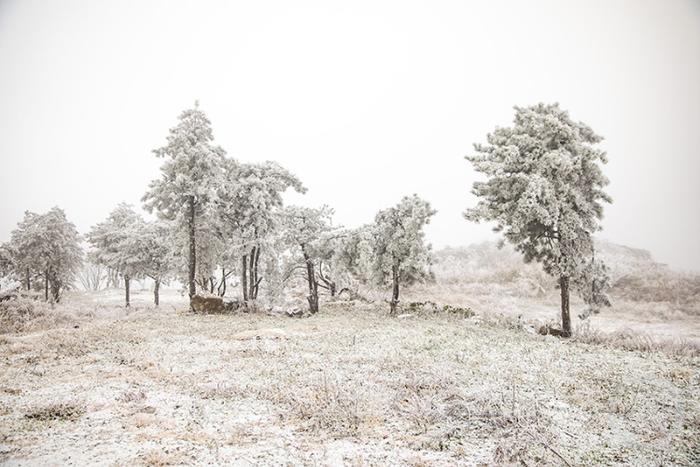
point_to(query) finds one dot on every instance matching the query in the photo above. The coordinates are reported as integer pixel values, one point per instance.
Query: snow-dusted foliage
(544, 191)
(192, 172)
(46, 246)
(400, 253)
(158, 260)
(303, 230)
(116, 244)
(248, 205)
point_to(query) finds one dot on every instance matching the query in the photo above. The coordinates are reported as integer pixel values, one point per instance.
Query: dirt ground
(349, 386)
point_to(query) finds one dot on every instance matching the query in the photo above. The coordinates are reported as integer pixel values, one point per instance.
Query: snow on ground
(349, 386)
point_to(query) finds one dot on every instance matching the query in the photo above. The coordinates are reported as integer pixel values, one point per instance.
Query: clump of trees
(133, 248)
(230, 216)
(544, 189)
(44, 253)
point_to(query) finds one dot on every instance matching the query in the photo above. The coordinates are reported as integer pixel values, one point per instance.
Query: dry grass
(636, 341)
(348, 386)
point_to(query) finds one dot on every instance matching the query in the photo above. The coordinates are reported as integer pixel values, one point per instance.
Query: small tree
(156, 257)
(544, 190)
(116, 244)
(191, 173)
(304, 228)
(27, 249)
(47, 246)
(400, 252)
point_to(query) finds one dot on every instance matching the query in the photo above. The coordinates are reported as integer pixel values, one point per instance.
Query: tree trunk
(253, 273)
(127, 279)
(393, 305)
(565, 316)
(29, 281)
(244, 277)
(46, 285)
(222, 285)
(211, 285)
(193, 252)
(55, 289)
(255, 268)
(311, 278)
(156, 293)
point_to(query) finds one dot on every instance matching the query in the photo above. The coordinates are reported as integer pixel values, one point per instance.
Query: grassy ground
(348, 386)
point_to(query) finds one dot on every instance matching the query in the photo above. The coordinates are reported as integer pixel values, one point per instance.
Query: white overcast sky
(364, 101)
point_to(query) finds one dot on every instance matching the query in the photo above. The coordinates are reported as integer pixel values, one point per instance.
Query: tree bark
(156, 293)
(193, 252)
(255, 268)
(393, 305)
(46, 285)
(565, 315)
(222, 285)
(55, 289)
(311, 278)
(127, 280)
(244, 277)
(29, 281)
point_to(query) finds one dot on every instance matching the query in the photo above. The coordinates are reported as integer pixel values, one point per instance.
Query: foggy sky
(364, 101)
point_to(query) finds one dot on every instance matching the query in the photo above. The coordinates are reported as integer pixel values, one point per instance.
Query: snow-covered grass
(347, 386)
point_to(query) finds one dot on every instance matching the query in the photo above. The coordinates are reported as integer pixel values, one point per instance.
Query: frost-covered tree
(303, 229)
(400, 254)
(191, 174)
(355, 254)
(341, 260)
(249, 202)
(116, 244)
(65, 256)
(7, 263)
(47, 245)
(26, 249)
(544, 190)
(156, 258)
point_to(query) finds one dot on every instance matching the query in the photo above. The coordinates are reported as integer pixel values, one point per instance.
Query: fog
(364, 101)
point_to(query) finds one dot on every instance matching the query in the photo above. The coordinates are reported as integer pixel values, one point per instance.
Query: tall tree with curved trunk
(544, 190)
(191, 173)
(303, 229)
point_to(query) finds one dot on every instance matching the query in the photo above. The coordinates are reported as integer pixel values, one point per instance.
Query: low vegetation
(436, 385)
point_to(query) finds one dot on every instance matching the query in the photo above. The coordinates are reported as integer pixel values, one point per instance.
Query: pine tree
(399, 250)
(191, 173)
(544, 191)
(249, 203)
(116, 244)
(46, 246)
(303, 229)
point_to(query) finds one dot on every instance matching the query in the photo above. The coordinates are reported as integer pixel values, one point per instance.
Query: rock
(207, 304)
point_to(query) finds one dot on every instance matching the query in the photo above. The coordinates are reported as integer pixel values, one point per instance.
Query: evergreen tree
(544, 191)
(191, 173)
(398, 241)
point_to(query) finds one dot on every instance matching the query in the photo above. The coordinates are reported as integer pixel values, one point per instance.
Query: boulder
(202, 304)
